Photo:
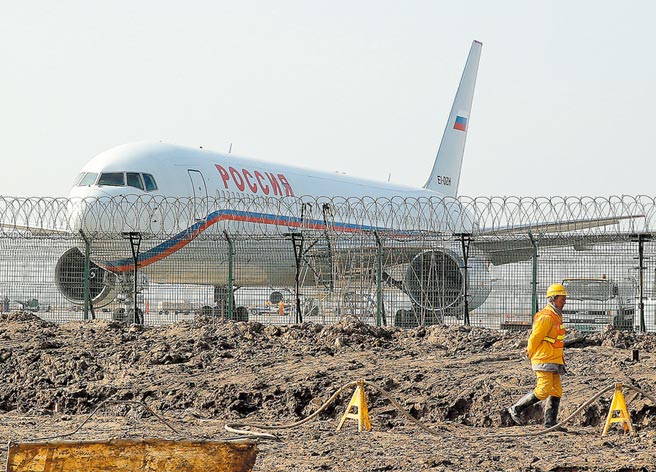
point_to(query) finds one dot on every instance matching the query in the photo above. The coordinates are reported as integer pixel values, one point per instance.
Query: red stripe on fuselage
(249, 219)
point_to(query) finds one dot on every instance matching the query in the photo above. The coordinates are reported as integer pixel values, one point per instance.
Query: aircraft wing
(514, 244)
(507, 251)
(6, 228)
(499, 245)
(558, 226)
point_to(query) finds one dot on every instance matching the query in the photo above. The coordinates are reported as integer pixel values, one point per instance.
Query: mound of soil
(200, 375)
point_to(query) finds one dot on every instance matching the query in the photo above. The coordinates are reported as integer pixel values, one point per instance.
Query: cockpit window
(134, 180)
(87, 178)
(118, 179)
(149, 180)
(112, 179)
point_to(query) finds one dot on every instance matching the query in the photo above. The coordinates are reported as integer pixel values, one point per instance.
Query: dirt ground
(201, 375)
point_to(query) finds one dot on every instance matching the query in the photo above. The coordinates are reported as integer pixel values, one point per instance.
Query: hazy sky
(563, 105)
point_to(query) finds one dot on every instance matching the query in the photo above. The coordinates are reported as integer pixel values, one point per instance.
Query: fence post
(641, 238)
(135, 243)
(297, 242)
(326, 208)
(380, 310)
(465, 240)
(231, 268)
(87, 270)
(534, 276)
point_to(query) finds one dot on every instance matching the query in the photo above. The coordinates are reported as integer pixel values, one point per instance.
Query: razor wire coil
(253, 217)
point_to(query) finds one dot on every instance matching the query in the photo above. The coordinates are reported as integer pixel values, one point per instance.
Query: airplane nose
(88, 192)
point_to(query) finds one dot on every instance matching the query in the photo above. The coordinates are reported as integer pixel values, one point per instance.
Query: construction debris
(203, 374)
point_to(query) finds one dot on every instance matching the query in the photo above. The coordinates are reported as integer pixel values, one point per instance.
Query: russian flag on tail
(461, 123)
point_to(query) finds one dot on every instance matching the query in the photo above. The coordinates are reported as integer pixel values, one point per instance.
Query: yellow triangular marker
(619, 405)
(362, 415)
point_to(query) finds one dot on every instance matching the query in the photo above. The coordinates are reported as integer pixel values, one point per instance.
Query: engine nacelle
(69, 276)
(434, 281)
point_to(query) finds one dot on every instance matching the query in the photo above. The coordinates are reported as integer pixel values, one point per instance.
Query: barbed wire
(255, 216)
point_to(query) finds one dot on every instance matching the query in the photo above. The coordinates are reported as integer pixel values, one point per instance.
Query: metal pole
(297, 241)
(380, 313)
(135, 242)
(87, 269)
(231, 255)
(641, 268)
(465, 239)
(534, 276)
(326, 212)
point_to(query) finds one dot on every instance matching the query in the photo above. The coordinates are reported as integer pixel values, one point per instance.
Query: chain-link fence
(404, 262)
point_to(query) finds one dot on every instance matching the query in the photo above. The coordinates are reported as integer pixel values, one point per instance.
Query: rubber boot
(551, 413)
(523, 403)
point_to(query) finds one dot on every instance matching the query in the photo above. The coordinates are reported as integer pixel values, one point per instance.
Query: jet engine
(69, 276)
(434, 281)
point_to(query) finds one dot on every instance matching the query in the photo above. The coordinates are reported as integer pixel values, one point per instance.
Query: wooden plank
(132, 455)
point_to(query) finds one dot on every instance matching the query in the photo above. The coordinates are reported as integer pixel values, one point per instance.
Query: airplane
(223, 194)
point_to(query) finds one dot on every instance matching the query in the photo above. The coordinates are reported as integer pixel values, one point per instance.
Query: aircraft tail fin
(445, 176)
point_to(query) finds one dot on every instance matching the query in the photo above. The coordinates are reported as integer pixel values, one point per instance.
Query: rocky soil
(201, 375)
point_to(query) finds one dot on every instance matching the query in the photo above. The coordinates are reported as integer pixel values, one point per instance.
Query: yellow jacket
(545, 343)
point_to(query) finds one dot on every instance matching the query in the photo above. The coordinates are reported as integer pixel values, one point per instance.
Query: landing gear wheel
(405, 319)
(119, 315)
(207, 311)
(241, 313)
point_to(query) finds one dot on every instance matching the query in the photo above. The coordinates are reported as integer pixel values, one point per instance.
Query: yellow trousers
(548, 385)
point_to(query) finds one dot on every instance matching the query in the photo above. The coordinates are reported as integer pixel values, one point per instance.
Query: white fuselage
(226, 173)
(199, 180)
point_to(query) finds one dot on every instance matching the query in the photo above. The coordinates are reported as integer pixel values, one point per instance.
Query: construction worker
(281, 308)
(545, 350)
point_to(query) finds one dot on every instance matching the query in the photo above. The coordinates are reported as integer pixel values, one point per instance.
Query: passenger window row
(118, 179)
